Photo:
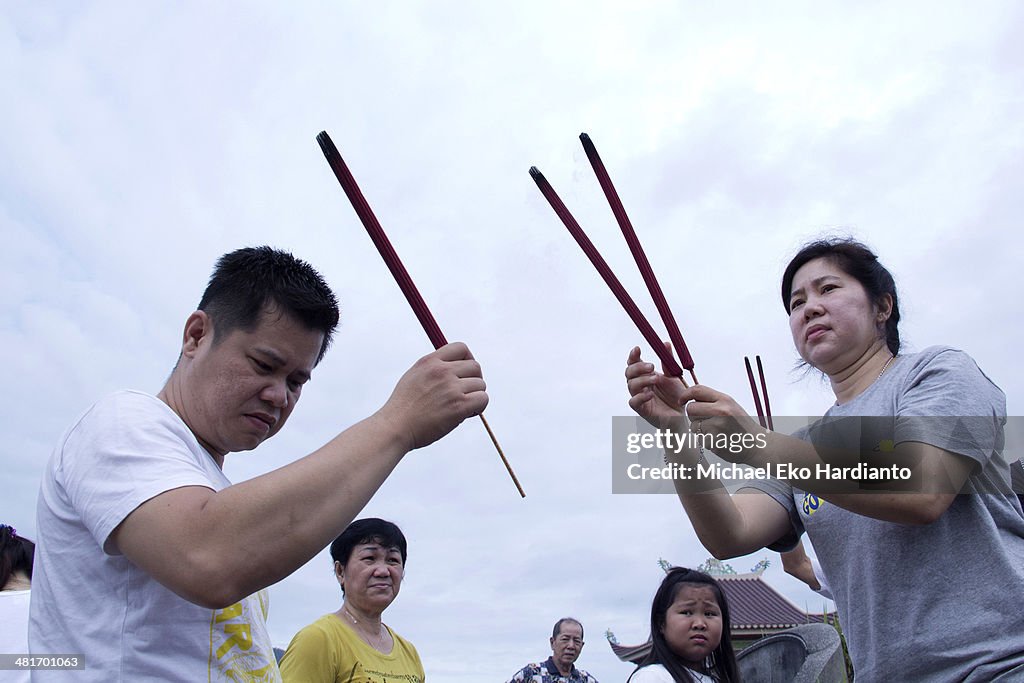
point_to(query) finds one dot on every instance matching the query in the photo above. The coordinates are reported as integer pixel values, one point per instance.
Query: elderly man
(566, 644)
(150, 563)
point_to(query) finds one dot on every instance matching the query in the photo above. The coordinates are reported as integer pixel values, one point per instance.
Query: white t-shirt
(126, 449)
(14, 631)
(656, 673)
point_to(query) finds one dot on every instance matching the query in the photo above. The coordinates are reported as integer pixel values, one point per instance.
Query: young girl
(689, 633)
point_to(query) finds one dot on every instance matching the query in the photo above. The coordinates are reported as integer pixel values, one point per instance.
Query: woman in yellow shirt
(353, 644)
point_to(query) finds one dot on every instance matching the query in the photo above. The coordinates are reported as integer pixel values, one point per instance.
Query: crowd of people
(154, 563)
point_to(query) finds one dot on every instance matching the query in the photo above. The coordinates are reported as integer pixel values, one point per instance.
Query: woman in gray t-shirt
(901, 487)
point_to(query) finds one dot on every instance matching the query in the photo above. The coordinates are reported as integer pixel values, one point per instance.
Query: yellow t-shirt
(328, 651)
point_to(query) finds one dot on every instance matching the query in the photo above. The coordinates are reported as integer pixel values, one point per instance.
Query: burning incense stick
(638, 254)
(387, 252)
(669, 364)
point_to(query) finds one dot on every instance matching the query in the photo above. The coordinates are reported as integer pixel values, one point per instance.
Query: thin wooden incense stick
(668, 362)
(764, 390)
(753, 390)
(638, 254)
(401, 275)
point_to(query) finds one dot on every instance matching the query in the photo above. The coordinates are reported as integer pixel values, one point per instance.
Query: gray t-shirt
(940, 602)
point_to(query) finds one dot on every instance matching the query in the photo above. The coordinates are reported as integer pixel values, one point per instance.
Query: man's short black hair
(247, 281)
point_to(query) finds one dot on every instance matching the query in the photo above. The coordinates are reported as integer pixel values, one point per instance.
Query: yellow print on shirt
(240, 648)
(386, 677)
(360, 674)
(811, 504)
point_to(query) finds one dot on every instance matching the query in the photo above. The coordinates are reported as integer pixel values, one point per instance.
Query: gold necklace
(884, 368)
(380, 635)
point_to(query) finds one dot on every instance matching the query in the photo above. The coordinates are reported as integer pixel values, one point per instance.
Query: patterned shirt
(547, 672)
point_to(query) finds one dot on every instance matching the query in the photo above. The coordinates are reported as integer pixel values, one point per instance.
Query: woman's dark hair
(16, 554)
(368, 530)
(246, 281)
(721, 663)
(860, 263)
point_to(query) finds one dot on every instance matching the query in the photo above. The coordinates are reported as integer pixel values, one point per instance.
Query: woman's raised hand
(654, 396)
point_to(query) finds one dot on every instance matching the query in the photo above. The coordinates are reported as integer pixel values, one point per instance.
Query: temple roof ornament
(715, 567)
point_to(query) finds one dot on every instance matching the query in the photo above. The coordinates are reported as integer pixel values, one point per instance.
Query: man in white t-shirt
(150, 563)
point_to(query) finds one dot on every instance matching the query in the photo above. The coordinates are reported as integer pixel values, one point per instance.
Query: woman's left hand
(713, 412)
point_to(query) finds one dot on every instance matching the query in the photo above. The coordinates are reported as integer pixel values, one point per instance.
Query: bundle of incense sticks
(638, 254)
(668, 361)
(401, 275)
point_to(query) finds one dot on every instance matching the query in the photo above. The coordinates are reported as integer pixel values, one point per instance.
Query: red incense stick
(380, 240)
(764, 390)
(668, 362)
(387, 252)
(638, 254)
(753, 390)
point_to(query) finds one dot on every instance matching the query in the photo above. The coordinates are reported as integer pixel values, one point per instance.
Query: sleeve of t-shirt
(127, 449)
(308, 658)
(949, 403)
(781, 493)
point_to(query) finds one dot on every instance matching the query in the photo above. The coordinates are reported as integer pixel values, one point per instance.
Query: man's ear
(198, 331)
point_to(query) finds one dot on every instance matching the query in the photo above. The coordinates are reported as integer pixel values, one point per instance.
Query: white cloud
(142, 141)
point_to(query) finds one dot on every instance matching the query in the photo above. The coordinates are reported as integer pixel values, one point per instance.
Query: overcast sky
(139, 141)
